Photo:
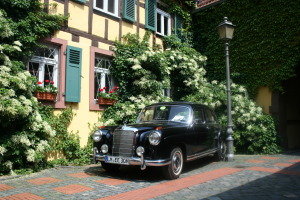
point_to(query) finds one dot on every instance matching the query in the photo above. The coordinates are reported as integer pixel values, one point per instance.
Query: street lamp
(226, 29)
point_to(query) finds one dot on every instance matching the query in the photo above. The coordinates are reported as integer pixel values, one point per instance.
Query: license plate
(116, 160)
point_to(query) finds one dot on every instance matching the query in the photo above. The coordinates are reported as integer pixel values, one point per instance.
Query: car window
(175, 113)
(180, 114)
(198, 114)
(209, 116)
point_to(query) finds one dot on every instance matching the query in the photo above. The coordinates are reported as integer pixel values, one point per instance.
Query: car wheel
(110, 167)
(174, 169)
(221, 153)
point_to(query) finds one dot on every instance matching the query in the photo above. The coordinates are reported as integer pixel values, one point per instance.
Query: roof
(201, 4)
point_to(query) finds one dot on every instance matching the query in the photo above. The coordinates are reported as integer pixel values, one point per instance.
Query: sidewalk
(248, 177)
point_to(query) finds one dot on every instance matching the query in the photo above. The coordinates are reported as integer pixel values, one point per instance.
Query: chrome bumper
(138, 161)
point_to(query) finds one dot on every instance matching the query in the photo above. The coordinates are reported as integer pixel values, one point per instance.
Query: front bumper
(137, 161)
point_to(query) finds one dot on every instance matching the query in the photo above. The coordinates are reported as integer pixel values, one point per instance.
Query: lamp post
(226, 29)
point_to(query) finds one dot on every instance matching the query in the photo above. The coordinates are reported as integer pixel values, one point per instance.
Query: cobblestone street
(248, 177)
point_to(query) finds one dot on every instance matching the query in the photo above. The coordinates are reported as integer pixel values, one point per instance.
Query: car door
(201, 129)
(212, 128)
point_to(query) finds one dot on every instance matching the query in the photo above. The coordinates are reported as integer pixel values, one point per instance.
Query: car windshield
(174, 113)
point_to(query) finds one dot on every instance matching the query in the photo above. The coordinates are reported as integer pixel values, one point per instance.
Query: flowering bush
(48, 87)
(147, 72)
(111, 94)
(24, 133)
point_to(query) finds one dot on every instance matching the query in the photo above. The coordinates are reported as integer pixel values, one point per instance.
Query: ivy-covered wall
(265, 49)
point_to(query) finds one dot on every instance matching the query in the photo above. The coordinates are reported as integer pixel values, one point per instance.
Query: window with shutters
(44, 65)
(129, 10)
(163, 22)
(104, 82)
(107, 6)
(178, 25)
(150, 11)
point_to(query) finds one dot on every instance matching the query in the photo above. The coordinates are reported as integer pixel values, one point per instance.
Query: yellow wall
(79, 15)
(113, 35)
(98, 25)
(264, 99)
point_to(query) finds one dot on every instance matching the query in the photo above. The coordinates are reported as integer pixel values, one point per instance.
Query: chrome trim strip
(202, 154)
(138, 161)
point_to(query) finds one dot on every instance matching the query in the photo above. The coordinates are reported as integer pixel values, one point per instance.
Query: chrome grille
(123, 143)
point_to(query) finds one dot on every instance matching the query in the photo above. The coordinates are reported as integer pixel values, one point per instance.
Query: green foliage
(265, 48)
(66, 142)
(129, 49)
(24, 133)
(182, 9)
(181, 68)
(29, 23)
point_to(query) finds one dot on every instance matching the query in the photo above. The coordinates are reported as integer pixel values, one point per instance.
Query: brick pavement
(248, 177)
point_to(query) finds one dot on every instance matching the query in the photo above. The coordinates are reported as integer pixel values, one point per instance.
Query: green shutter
(79, 1)
(177, 25)
(129, 10)
(73, 74)
(150, 6)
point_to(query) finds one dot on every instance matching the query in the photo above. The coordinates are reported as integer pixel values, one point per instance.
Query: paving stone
(201, 179)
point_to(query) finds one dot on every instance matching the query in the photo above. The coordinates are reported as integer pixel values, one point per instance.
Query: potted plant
(46, 93)
(107, 98)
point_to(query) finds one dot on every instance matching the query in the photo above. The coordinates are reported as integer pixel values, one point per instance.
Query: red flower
(51, 82)
(101, 90)
(47, 81)
(39, 83)
(111, 91)
(104, 88)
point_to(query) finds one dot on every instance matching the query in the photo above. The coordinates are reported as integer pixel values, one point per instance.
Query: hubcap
(177, 162)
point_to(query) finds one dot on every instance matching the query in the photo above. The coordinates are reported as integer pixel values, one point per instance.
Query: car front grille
(123, 143)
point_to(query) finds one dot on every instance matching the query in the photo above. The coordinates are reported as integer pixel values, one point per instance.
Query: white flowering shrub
(24, 134)
(143, 73)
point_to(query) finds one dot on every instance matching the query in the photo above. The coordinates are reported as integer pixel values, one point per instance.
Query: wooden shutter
(177, 25)
(129, 10)
(73, 74)
(150, 7)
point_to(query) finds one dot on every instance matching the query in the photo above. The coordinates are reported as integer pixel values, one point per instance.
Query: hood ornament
(124, 127)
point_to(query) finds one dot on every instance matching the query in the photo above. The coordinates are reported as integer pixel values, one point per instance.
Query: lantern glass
(226, 29)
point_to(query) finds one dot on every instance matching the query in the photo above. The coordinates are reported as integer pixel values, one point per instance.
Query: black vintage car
(165, 135)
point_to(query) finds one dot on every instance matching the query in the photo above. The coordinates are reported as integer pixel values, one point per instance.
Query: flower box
(106, 101)
(45, 96)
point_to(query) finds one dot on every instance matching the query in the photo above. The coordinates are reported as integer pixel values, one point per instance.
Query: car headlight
(154, 138)
(97, 136)
(104, 148)
(140, 150)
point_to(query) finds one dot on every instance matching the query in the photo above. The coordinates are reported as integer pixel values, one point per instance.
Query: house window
(163, 20)
(107, 6)
(44, 65)
(103, 77)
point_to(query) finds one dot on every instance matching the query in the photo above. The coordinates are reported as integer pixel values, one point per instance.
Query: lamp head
(226, 29)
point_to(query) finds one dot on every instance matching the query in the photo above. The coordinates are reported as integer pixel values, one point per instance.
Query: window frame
(94, 51)
(162, 24)
(61, 44)
(43, 61)
(104, 73)
(105, 8)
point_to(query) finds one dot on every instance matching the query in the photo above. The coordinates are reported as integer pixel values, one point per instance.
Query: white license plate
(116, 160)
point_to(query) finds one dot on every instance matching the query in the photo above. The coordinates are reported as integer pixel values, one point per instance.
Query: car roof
(192, 104)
